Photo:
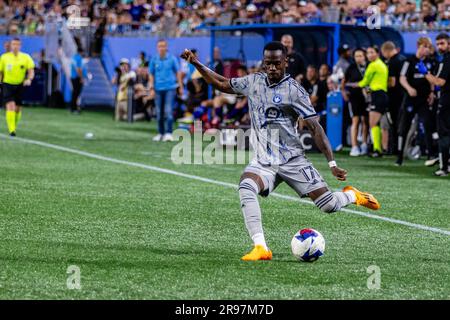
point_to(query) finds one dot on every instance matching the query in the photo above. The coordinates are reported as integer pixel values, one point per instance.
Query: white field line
(221, 183)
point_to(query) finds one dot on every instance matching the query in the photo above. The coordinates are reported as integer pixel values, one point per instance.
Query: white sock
(351, 195)
(258, 239)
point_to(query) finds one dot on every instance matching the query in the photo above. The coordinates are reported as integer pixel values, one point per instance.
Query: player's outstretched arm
(216, 80)
(322, 142)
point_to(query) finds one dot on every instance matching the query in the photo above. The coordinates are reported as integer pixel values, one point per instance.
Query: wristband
(332, 164)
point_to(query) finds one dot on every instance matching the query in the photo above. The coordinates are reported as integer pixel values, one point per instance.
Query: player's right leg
(251, 184)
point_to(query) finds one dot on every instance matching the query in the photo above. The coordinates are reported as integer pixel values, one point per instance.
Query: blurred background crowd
(181, 18)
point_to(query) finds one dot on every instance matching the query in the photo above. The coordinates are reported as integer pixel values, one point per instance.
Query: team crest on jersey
(276, 99)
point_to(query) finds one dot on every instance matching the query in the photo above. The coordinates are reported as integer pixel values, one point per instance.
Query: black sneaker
(12, 134)
(441, 173)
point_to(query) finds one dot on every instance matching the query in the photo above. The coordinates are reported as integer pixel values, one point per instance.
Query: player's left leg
(301, 175)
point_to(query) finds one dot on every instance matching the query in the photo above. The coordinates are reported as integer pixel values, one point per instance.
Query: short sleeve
(405, 67)
(176, 65)
(151, 67)
(30, 63)
(444, 70)
(242, 85)
(302, 104)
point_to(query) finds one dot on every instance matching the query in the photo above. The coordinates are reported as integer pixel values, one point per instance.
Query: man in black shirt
(420, 94)
(396, 93)
(218, 63)
(442, 79)
(443, 47)
(357, 103)
(316, 89)
(296, 62)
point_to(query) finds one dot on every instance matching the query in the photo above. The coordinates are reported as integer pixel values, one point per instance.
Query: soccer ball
(308, 245)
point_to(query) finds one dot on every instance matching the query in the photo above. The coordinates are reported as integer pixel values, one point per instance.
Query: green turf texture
(138, 234)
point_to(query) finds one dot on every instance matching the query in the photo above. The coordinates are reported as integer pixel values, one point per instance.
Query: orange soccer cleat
(364, 199)
(258, 253)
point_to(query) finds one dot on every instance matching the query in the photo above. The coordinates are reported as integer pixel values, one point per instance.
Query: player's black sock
(444, 145)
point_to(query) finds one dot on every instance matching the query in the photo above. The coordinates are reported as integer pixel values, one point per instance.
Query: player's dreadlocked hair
(274, 46)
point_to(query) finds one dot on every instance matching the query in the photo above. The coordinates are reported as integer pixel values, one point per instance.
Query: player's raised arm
(322, 142)
(216, 80)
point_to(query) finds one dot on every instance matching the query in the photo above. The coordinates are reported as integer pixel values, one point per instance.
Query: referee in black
(442, 79)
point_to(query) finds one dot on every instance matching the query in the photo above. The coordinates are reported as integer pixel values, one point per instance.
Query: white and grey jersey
(274, 111)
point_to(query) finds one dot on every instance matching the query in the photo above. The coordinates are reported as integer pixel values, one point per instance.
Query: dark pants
(410, 108)
(77, 86)
(443, 127)
(395, 103)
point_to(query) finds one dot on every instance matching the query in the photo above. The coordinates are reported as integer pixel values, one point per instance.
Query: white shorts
(298, 173)
(229, 98)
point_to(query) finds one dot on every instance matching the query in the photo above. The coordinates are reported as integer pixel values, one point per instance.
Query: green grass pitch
(140, 234)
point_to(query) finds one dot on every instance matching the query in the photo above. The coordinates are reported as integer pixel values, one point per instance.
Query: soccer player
(442, 79)
(276, 101)
(420, 95)
(14, 66)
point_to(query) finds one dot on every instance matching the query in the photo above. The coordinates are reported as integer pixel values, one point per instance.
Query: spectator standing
(296, 62)
(218, 63)
(76, 77)
(357, 102)
(443, 47)
(396, 93)
(165, 78)
(343, 62)
(124, 78)
(442, 79)
(420, 95)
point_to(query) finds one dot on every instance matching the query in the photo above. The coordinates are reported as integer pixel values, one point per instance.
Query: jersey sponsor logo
(273, 113)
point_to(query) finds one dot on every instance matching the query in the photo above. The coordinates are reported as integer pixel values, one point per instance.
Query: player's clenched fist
(339, 173)
(188, 55)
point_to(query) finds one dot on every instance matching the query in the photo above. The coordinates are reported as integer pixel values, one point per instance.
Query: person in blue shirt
(76, 77)
(165, 79)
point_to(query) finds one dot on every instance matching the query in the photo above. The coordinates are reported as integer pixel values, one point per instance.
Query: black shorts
(12, 92)
(379, 101)
(357, 107)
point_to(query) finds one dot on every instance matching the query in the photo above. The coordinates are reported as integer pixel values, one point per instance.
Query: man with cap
(123, 79)
(343, 62)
